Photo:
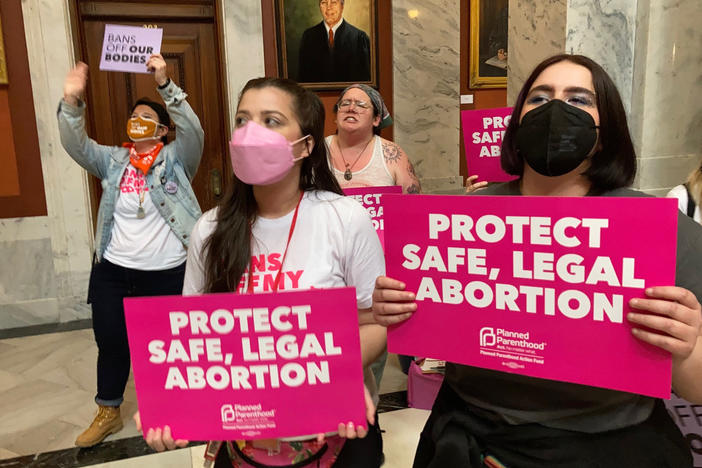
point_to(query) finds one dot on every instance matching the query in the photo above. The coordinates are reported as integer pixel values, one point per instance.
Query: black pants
(356, 453)
(109, 285)
(458, 434)
(363, 453)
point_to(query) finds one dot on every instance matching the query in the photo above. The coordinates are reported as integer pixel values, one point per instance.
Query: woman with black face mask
(568, 136)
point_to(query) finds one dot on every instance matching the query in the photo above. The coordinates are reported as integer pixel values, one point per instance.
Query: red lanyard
(249, 285)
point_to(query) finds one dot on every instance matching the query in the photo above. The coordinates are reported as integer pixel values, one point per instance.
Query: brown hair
(227, 251)
(614, 166)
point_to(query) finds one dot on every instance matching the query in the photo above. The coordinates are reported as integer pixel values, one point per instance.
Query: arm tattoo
(410, 169)
(415, 187)
(394, 154)
(390, 152)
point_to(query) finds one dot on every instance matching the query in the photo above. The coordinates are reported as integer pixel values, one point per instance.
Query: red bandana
(143, 161)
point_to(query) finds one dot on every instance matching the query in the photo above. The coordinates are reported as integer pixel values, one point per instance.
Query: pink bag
(422, 388)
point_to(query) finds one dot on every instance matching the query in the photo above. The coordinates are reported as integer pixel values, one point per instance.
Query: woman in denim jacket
(147, 211)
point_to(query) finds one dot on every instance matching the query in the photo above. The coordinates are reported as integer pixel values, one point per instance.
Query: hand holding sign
(74, 86)
(162, 439)
(391, 303)
(158, 439)
(472, 186)
(157, 65)
(675, 317)
(348, 430)
(129, 48)
(234, 362)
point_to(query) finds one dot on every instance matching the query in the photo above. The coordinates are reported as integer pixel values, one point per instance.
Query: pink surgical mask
(261, 156)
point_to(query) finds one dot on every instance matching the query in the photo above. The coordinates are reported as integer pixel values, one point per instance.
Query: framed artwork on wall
(3, 62)
(328, 44)
(488, 43)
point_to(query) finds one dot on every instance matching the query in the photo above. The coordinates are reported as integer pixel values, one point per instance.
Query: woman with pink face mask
(147, 211)
(283, 225)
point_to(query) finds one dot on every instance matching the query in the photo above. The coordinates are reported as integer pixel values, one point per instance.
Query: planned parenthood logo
(252, 418)
(228, 414)
(487, 337)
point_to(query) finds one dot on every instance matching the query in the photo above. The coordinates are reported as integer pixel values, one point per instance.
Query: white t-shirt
(141, 244)
(333, 245)
(680, 193)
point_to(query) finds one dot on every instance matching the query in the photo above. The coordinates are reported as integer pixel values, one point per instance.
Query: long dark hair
(614, 165)
(228, 250)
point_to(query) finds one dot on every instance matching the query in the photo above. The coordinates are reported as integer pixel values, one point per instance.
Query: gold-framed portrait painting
(488, 43)
(327, 44)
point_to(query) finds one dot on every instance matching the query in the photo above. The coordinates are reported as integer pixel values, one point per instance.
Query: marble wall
(48, 257)
(606, 31)
(601, 29)
(426, 60)
(537, 30)
(669, 85)
(651, 50)
(243, 38)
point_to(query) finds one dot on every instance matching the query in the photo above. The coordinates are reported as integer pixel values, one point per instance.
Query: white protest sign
(128, 48)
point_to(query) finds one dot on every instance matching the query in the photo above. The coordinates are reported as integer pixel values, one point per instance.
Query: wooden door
(191, 50)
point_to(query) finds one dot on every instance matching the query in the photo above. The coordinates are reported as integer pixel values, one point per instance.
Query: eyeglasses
(326, 3)
(346, 103)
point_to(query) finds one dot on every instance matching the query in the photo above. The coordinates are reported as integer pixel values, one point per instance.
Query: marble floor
(47, 385)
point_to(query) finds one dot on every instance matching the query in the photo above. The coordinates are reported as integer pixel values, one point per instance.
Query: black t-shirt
(520, 399)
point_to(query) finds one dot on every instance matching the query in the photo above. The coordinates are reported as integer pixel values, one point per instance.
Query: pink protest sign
(247, 366)
(128, 48)
(537, 286)
(483, 131)
(370, 198)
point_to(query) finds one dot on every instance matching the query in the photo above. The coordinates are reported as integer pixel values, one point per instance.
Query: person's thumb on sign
(158, 439)
(74, 86)
(157, 65)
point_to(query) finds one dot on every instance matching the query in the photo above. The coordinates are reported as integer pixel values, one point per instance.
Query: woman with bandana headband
(146, 213)
(568, 136)
(284, 225)
(358, 155)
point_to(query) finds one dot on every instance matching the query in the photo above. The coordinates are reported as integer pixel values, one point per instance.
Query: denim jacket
(176, 164)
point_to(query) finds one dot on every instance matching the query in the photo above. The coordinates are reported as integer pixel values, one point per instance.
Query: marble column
(651, 50)
(536, 30)
(243, 46)
(426, 59)
(666, 113)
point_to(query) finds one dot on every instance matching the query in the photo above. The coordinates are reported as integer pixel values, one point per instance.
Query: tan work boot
(107, 421)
